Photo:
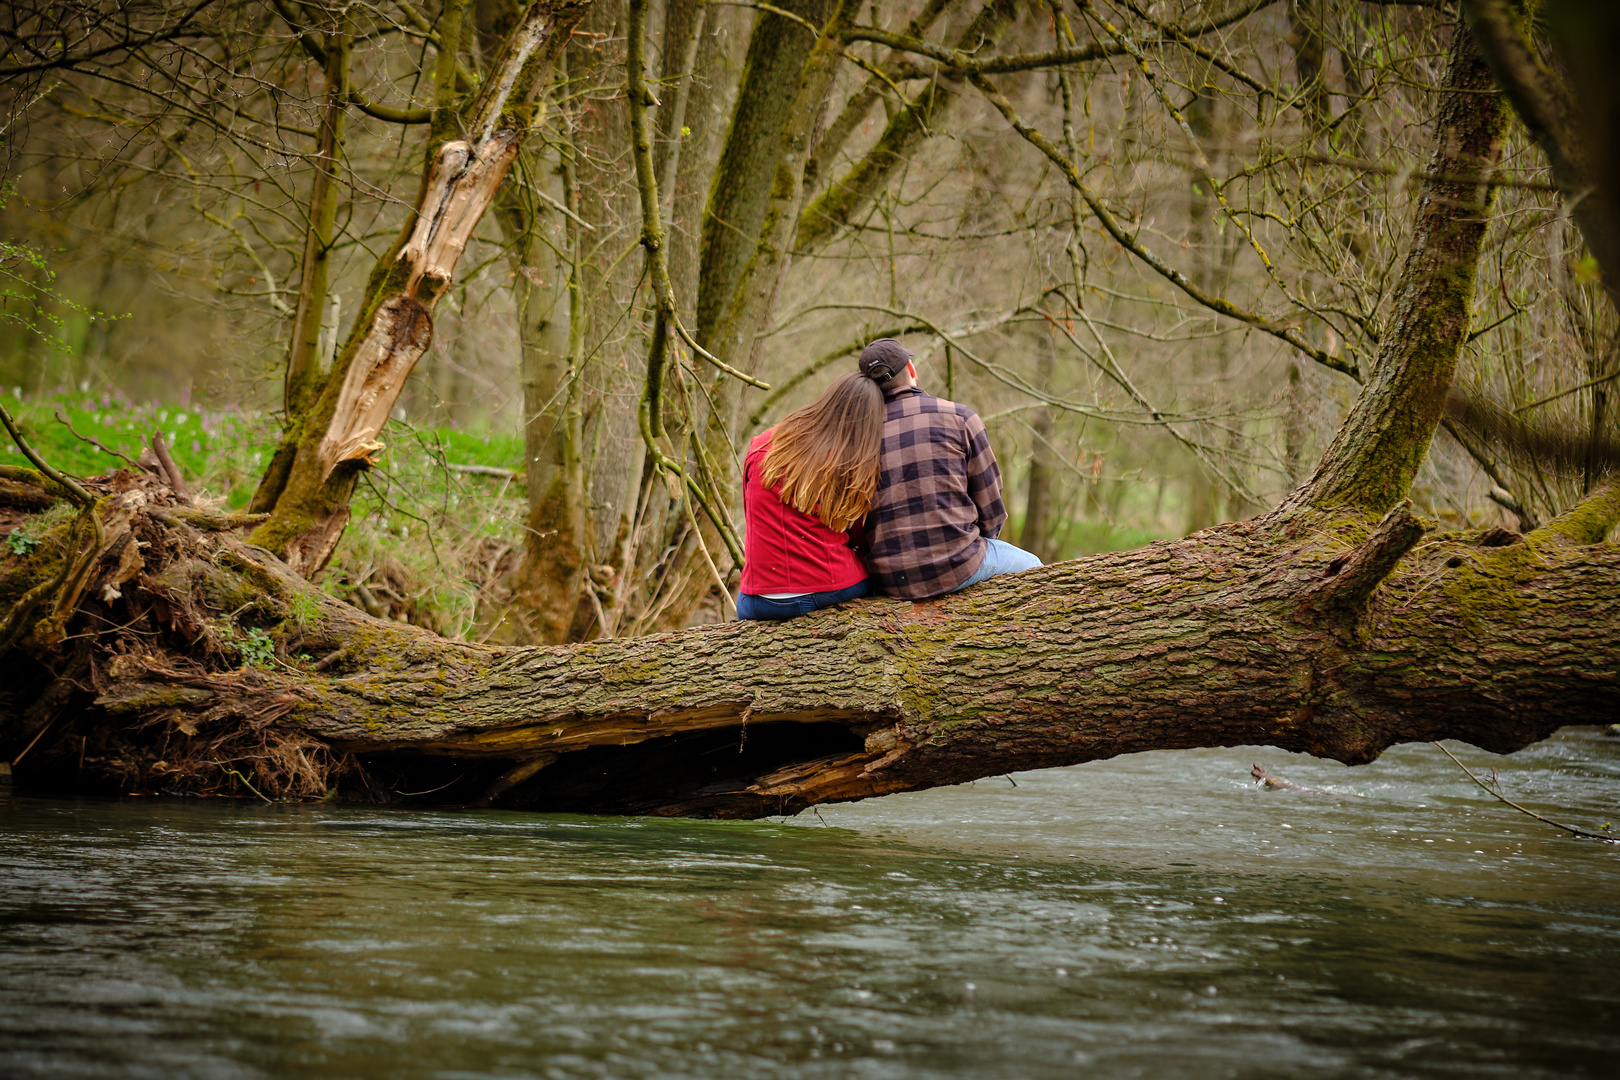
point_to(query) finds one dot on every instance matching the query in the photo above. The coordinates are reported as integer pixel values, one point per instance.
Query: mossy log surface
(1334, 635)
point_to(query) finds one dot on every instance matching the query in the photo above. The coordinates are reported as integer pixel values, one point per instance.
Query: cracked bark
(1204, 641)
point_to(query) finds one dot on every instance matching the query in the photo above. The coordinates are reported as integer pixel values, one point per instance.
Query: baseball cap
(883, 359)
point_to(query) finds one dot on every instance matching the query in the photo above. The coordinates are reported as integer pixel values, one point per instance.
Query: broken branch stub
(1351, 579)
(461, 187)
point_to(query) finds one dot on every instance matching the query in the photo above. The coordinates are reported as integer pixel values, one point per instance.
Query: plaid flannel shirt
(938, 499)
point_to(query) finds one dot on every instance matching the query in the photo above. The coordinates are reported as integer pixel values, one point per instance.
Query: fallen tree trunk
(204, 664)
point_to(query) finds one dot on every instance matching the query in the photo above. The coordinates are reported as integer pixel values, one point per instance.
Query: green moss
(225, 591)
(49, 533)
(1482, 587)
(632, 671)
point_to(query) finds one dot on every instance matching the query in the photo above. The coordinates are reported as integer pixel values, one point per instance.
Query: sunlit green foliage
(29, 299)
(424, 536)
(255, 647)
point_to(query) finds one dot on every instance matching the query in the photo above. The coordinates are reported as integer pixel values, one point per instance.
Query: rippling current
(1156, 915)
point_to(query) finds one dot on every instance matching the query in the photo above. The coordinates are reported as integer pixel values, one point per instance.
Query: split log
(308, 484)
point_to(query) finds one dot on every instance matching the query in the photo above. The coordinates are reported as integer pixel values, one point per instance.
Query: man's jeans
(1000, 557)
(763, 607)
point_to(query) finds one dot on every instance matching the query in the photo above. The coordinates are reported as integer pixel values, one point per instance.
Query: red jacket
(784, 550)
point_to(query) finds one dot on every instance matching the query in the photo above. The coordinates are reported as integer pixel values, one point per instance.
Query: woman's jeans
(1000, 557)
(763, 607)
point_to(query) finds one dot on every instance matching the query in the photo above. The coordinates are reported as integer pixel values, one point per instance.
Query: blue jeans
(1000, 557)
(763, 607)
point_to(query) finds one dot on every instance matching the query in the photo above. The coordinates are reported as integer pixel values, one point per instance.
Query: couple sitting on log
(876, 486)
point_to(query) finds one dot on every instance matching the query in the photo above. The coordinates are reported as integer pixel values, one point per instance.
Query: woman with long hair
(806, 483)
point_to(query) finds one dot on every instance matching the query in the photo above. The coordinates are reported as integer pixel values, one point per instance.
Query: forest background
(197, 195)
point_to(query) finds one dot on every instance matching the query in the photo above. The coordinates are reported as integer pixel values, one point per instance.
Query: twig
(1129, 242)
(250, 787)
(1157, 85)
(171, 471)
(1565, 393)
(34, 740)
(703, 549)
(1499, 797)
(430, 791)
(77, 493)
(85, 438)
(1408, 173)
(483, 470)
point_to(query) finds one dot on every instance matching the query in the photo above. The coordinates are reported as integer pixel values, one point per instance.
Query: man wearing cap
(933, 527)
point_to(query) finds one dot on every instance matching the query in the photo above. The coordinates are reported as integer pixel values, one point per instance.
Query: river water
(1156, 915)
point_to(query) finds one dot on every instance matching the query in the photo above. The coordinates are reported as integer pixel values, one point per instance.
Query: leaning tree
(151, 647)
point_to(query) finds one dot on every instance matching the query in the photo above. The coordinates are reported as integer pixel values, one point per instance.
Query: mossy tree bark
(591, 510)
(306, 366)
(1274, 632)
(741, 187)
(1377, 452)
(546, 592)
(743, 254)
(304, 361)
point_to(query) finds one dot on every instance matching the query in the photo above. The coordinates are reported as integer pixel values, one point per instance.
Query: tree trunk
(304, 355)
(1277, 632)
(853, 114)
(1310, 63)
(339, 436)
(1578, 139)
(744, 254)
(711, 92)
(628, 522)
(740, 194)
(1376, 454)
(1034, 535)
(546, 592)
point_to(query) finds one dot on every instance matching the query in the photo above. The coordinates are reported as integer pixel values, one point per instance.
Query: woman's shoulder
(753, 458)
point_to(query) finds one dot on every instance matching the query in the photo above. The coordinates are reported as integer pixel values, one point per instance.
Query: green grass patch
(221, 452)
(1092, 537)
(423, 536)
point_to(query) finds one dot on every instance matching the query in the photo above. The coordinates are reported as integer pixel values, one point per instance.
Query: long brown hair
(825, 455)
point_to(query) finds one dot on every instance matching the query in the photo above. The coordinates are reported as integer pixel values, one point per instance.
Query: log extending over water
(1217, 639)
